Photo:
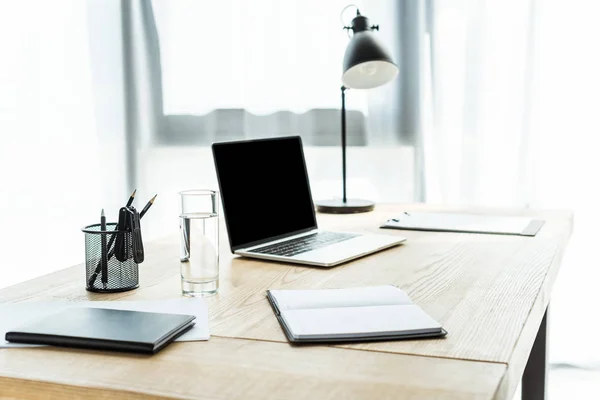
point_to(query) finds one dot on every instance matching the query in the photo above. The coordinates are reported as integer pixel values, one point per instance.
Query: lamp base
(337, 206)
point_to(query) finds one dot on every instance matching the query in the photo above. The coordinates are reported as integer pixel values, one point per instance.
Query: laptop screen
(264, 189)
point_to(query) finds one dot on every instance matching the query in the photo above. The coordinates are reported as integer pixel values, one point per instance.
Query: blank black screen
(264, 188)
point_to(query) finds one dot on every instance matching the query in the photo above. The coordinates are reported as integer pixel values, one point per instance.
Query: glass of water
(199, 232)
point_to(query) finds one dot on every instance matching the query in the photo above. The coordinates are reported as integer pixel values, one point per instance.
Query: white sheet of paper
(462, 222)
(333, 298)
(13, 315)
(359, 321)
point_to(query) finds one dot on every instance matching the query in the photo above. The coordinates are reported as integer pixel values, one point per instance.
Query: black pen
(147, 206)
(104, 249)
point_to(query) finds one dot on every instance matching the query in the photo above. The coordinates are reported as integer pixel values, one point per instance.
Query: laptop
(269, 211)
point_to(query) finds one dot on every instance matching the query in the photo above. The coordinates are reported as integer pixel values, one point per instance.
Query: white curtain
(261, 56)
(511, 119)
(238, 69)
(482, 55)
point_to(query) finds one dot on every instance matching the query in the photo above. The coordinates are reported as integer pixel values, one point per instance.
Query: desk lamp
(367, 64)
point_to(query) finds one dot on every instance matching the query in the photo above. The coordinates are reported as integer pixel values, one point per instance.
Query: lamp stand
(344, 205)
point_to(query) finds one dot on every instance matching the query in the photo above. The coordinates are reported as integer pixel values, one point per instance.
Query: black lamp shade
(367, 64)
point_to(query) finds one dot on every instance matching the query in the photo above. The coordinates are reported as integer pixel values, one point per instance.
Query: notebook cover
(104, 329)
(291, 338)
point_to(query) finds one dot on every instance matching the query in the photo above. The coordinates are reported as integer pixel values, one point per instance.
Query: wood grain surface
(225, 368)
(488, 291)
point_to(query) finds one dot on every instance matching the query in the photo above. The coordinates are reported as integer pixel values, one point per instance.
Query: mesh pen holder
(116, 276)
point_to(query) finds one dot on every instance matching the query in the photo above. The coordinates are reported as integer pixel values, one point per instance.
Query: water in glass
(199, 253)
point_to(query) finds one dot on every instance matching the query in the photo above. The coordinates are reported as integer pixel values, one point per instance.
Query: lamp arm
(345, 206)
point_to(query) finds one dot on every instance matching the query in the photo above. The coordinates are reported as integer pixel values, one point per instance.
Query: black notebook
(354, 314)
(104, 329)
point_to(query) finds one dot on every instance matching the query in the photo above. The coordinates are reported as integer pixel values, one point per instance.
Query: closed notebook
(354, 314)
(104, 329)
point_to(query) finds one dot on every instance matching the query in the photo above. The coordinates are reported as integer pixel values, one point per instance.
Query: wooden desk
(489, 291)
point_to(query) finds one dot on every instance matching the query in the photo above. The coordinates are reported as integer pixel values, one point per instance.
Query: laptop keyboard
(303, 244)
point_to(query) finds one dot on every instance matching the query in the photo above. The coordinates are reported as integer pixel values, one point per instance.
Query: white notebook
(353, 314)
(472, 223)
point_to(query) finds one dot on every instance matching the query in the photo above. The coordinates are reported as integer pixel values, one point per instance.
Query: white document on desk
(13, 315)
(461, 222)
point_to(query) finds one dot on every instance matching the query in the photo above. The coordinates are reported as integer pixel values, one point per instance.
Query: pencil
(130, 201)
(147, 206)
(104, 249)
(111, 251)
